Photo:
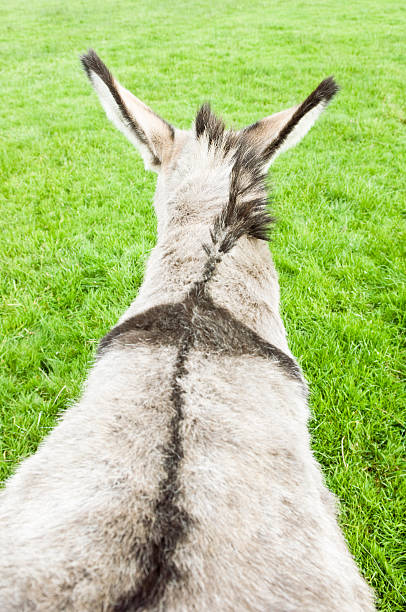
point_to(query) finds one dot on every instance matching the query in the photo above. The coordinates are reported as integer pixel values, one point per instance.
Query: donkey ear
(278, 133)
(151, 135)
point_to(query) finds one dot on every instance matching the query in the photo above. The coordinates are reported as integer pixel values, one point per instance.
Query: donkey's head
(208, 168)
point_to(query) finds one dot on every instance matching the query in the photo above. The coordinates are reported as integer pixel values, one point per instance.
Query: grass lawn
(77, 224)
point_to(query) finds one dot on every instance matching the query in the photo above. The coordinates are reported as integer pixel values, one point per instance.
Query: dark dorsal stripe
(170, 523)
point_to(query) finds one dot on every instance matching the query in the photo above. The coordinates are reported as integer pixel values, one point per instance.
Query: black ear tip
(328, 88)
(91, 62)
(88, 59)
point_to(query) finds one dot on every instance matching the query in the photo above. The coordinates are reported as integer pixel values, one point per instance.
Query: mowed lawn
(77, 223)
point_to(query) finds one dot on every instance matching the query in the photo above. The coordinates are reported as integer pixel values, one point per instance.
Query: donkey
(183, 480)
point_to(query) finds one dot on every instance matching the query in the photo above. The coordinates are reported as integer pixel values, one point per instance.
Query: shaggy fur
(183, 479)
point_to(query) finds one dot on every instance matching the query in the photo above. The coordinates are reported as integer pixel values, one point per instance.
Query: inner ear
(282, 131)
(265, 130)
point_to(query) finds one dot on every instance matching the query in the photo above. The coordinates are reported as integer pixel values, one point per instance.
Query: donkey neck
(243, 281)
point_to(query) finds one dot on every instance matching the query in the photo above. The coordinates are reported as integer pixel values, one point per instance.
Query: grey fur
(183, 479)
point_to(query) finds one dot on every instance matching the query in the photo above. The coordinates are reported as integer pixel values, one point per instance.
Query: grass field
(77, 224)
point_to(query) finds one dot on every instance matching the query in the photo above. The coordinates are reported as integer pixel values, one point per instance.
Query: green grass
(77, 224)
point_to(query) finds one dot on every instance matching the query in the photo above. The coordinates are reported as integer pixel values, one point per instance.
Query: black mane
(246, 211)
